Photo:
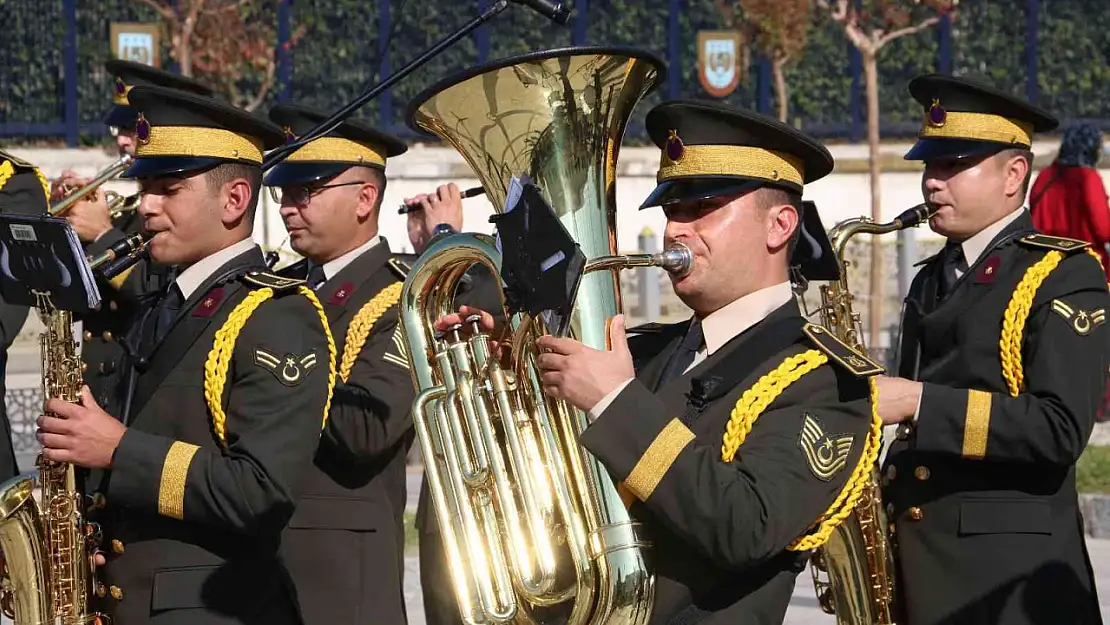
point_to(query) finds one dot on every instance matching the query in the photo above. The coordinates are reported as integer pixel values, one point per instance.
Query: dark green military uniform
(227, 412)
(122, 297)
(21, 191)
(345, 545)
(731, 517)
(981, 489)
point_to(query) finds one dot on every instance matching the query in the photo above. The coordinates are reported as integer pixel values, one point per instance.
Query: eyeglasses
(299, 194)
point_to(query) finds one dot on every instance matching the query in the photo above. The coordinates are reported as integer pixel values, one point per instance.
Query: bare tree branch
(264, 87)
(163, 10)
(909, 30)
(840, 12)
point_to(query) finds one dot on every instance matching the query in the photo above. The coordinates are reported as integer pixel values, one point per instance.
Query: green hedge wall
(339, 55)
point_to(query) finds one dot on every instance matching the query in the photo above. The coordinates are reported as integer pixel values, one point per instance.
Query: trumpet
(75, 195)
(120, 204)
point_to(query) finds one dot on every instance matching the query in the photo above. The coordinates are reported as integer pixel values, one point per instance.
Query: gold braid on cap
(980, 126)
(199, 141)
(338, 149)
(732, 160)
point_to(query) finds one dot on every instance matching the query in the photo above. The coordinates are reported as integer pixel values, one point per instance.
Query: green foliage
(339, 55)
(1092, 472)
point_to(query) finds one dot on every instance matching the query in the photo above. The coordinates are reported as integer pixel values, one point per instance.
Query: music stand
(43, 265)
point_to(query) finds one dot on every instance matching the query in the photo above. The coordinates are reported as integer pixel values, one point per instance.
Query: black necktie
(954, 260)
(684, 355)
(165, 311)
(315, 276)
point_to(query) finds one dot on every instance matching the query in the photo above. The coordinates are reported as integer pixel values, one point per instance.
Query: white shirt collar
(975, 245)
(194, 275)
(727, 322)
(334, 266)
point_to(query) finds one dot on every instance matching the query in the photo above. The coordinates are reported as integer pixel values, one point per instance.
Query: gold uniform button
(107, 336)
(891, 472)
(100, 590)
(88, 335)
(117, 546)
(921, 473)
(84, 367)
(117, 594)
(916, 514)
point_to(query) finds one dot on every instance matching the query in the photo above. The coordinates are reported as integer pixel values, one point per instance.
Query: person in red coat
(1068, 198)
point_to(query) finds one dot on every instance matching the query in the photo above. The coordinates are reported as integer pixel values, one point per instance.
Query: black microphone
(555, 11)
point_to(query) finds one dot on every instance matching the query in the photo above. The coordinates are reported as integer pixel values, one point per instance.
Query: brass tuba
(534, 529)
(859, 556)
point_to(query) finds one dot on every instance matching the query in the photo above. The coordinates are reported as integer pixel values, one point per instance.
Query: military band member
(732, 434)
(345, 544)
(231, 393)
(1003, 361)
(23, 189)
(98, 230)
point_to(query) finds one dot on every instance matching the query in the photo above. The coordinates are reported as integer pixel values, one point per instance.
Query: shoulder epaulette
(399, 267)
(6, 156)
(1060, 244)
(841, 352)
(267, 279)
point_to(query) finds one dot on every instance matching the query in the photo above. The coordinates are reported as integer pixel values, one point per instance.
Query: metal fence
(53, 85)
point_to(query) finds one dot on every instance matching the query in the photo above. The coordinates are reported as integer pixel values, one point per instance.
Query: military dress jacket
(122, 299)
(193, 508)
(345, 543)
(719, 531)
(981, 490)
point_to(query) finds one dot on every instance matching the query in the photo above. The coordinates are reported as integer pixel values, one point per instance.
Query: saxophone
(858, 559)
(48, 568)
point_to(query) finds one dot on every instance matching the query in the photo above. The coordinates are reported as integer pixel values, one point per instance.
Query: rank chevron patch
(1082, 321)
(401, 358)
(825, 454)
(290, 369)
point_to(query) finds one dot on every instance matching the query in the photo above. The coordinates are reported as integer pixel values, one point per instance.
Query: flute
(405, 208)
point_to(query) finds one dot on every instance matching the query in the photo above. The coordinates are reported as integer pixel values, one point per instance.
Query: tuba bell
(853, 573)
(534, 529)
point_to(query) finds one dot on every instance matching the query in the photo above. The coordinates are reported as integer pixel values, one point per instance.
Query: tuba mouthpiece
(676, 259)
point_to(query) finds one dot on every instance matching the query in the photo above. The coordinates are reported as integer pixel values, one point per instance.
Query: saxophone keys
(101, 591)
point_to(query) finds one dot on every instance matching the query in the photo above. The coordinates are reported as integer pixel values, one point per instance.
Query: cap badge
(675, 147)
(120, 87)
(290, 137)
(937, 114)
(142, 129)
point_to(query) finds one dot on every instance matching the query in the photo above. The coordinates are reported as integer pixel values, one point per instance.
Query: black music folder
(40, 256)
(541, 264)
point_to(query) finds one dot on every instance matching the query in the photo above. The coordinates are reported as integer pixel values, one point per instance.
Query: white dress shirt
(721, 326)
(194, 275)
(335, 265)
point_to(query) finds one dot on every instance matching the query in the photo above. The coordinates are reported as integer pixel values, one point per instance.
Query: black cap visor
(155, 166)
(286, 173)
(121, 117)
(928, 149)
(693, 189)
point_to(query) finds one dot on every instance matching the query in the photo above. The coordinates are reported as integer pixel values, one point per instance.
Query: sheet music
(87, 277)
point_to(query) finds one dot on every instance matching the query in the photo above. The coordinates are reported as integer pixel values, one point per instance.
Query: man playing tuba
(736, 436)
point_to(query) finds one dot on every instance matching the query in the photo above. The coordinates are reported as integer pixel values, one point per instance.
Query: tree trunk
(778, 68)
(871, 78)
